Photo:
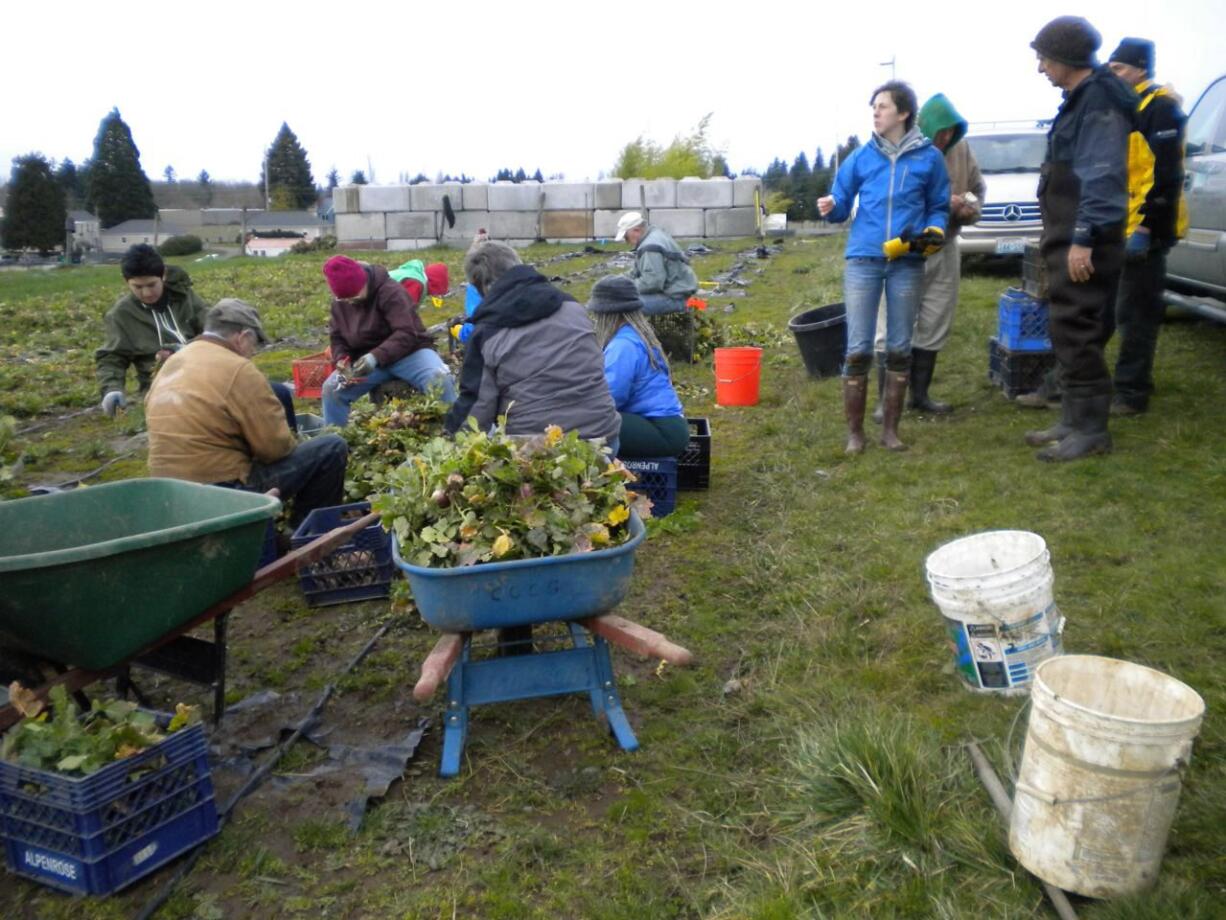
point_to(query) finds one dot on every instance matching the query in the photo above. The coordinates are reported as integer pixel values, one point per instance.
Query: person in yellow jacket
(1157, 217)
(213, 418)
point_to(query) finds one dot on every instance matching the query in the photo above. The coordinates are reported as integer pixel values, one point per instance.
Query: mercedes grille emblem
(1013, 212)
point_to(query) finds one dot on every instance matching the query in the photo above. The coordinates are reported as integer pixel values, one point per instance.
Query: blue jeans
(312, 475)
(657, 304)
(421, 369)
(863, 280)
(286, 397)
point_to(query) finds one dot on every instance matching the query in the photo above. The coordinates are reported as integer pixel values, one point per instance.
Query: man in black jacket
(1157, 217)
(1083, 197)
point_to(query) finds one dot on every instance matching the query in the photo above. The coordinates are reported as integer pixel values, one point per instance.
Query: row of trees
(794, 189)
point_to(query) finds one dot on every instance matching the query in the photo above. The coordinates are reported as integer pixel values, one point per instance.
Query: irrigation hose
(258, 777)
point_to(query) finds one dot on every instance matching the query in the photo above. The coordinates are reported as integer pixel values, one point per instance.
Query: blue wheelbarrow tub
(495, 595)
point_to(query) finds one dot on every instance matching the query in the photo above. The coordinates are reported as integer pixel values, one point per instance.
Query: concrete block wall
(403, 217)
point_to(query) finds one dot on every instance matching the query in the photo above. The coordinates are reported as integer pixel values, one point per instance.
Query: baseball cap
(627, 221)
(238, 313)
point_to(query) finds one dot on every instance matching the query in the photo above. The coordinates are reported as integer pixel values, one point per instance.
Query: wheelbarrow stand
(585, 667)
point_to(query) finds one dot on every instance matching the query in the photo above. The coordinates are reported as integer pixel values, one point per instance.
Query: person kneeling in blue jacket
(903, 187)
(652, 420)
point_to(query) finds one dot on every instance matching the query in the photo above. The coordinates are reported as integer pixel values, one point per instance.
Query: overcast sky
(559, 86)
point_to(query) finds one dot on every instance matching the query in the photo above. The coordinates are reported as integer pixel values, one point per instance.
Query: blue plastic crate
(359, 570)
(657, 479)
(1023, 322)
(98, 833)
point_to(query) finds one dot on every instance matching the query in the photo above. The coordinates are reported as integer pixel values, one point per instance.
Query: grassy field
(811, 763)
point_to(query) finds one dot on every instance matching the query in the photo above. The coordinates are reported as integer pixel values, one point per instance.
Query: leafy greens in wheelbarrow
(492, 497)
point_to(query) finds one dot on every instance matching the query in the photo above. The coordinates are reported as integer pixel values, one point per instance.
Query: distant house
(131, 232)
(303, 224)
(212, 225)
(86, 230)
(270, 246)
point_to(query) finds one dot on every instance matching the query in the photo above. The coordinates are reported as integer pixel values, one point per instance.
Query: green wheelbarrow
(94, 578)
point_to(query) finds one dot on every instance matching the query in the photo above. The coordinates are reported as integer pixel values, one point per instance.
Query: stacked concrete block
(476, 197)
(731, 222)
(649, 193)
(467, 223)
(512, 196)
(604, 224)
(704, 193)
(570, 226)
(394, 245)
(608, 195)
(345, 199)
(569, 196)
(430, 197)
(513, 225)
(679, 221)
(384, 198)
(412, 229)
(362, 228)
(743, 188)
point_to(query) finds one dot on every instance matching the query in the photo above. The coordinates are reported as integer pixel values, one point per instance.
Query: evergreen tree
(719, 167)
(205, 181)
(537, 177)
(119, 190)
(801, 178)
(334, 178)
(520, 175)
(358, 177)
(819, 162)
(419, 179)
(169, 173)
(34, 213)
(289, 170)
(70, 179)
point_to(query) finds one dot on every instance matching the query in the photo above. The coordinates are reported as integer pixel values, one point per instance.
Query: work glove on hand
(365, 365)
(897, 247)
(1137, 247)
(930, 241)
(112, 402)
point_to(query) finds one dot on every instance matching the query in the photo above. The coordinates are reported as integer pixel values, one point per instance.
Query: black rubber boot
(1088, 416)
(1057, 432)
(879, 412)
(923, 364)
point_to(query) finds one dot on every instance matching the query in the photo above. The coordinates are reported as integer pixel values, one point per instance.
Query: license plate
(1010, 247)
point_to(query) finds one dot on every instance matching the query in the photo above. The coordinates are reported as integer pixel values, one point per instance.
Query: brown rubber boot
(855, 394)
(895, 393)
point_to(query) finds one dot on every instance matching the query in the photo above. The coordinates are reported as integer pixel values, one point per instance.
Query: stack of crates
(694, 464)
(98, 833)
(358, 570)
(1020, 354)
(657, 479)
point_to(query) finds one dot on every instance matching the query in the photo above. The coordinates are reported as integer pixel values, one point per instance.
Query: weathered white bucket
(1100, 773)
(994, 590)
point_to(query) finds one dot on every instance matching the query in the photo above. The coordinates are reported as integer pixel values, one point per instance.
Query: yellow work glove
(930, 241)
(897, 247)
(455, 331)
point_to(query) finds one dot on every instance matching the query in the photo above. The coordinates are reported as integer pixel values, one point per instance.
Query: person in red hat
(376, 335)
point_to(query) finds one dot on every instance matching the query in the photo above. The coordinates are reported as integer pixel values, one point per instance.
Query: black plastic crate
(657, 479)
(1017, 372)
(98, 833)
(694, 464)
(358, 570)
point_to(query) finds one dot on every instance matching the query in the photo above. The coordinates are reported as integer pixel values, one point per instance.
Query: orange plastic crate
(310, 373)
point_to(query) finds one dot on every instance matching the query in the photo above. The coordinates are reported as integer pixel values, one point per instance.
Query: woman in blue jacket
(903, 188)
(652, 420)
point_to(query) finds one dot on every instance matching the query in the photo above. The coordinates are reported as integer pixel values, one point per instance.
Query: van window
(1207, 124)
(1008, 153)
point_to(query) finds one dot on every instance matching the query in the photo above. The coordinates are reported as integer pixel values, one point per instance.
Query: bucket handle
(735, 379)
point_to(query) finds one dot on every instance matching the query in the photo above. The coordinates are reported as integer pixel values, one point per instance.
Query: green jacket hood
(937, 114)
(177, 280)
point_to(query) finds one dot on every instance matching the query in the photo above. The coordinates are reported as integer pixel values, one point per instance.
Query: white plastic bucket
(994, 591)
(1100, 773)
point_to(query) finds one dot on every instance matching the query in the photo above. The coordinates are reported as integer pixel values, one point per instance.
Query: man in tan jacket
(213, 418)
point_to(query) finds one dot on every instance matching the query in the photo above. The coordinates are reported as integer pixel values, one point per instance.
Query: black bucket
(821, 334)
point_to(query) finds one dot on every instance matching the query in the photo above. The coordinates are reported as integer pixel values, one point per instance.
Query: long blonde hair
(607, 325)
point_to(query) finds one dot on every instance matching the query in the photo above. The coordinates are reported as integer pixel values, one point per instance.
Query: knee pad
(857, 365)
(898, 361)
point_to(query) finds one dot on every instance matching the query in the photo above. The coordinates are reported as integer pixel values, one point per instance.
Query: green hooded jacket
(135, 333)
(937, 114)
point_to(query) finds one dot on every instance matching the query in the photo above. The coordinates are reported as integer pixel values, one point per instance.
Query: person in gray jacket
(661, 273)
(532, 355)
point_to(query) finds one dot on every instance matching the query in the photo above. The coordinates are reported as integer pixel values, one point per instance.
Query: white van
(1010, 155)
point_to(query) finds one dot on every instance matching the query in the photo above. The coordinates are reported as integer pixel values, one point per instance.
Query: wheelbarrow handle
(638, 638)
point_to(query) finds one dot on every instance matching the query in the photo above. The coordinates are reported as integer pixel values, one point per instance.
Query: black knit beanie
(614, 294)
(1135, 52)
(1069, 40)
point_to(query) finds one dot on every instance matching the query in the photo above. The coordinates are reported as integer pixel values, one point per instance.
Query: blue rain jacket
(636, 386)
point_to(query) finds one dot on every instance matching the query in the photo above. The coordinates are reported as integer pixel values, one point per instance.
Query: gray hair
(488, 261)
(607, 324)
(223, 328)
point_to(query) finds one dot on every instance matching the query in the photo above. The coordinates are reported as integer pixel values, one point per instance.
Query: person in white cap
(661, 273)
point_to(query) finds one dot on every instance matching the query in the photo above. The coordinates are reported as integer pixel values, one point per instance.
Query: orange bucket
(738, 372)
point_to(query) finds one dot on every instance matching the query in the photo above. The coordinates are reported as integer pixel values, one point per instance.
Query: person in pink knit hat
(376, 335)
